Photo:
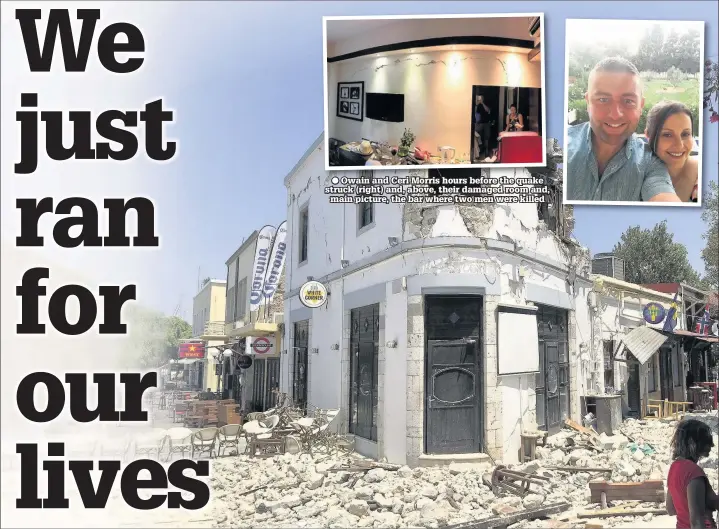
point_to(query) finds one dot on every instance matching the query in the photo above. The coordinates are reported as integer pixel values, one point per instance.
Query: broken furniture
(259, 429)
(513, 482)
(267, 447)
(592, 437)
(528, 450)
(316, 431)
(645, 491)
(608, 411)
(505, 520)
(619, 511)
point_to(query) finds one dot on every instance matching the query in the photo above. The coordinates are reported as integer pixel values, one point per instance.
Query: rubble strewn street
(302, 491)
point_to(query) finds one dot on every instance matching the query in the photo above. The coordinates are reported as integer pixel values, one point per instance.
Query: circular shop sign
(261, 345)
(244, 362)
(654, 313)
(313, 294)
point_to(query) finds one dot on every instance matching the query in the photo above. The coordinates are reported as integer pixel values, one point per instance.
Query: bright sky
(626, 32)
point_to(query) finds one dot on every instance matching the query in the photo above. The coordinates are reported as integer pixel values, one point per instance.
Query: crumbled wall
(419, 218)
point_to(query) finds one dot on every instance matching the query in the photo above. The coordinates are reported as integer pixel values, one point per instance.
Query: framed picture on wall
(350, 99)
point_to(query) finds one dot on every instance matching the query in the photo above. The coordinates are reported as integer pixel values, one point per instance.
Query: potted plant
(405, 144)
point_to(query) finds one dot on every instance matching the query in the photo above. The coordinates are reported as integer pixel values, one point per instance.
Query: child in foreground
(689, 494)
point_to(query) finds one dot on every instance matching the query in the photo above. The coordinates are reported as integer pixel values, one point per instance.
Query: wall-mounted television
(385, 107)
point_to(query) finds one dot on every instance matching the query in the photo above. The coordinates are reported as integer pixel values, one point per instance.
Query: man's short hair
(615, 65)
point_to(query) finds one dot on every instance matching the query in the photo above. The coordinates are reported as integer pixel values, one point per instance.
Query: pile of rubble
(305, 491)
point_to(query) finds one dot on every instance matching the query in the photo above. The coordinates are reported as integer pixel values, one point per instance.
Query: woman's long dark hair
(691, 439)
(659, 114)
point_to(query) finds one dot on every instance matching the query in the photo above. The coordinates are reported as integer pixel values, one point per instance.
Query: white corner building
(448, 330)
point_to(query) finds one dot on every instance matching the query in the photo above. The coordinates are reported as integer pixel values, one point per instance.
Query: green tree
(652, 256)
(687, 55)
(153, 337)
(710, 253)
(670, 51)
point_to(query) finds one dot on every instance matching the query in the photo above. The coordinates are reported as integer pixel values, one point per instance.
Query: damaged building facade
(448, 330)
(634, 357)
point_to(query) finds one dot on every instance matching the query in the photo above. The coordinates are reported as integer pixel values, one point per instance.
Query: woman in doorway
(669, 132)
(515, 121)
(689, 495)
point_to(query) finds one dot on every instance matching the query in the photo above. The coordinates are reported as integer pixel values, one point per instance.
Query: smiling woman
(669, 132)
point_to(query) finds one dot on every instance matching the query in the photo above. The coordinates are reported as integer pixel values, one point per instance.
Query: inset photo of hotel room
(436, 91)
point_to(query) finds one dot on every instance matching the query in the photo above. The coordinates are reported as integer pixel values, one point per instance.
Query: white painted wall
(395, 387)
(437, 88)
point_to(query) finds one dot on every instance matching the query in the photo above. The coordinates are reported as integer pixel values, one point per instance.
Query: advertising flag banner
(259, 268)
(672, 316)
(276, 264)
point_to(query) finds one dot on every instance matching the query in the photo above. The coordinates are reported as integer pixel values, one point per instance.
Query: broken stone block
(358, 508)
(375, 475)
(532, 501)
(430, 491)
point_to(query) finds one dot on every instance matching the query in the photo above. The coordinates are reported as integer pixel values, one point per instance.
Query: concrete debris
(307, 492)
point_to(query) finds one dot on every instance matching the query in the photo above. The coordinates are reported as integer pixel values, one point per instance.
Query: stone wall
(415, 379)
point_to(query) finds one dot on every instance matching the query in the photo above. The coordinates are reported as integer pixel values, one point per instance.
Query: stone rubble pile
(301, 491)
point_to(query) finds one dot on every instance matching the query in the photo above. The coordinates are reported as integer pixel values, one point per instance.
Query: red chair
(520, 147)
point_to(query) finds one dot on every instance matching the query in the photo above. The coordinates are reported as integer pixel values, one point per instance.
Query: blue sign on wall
(654, 313)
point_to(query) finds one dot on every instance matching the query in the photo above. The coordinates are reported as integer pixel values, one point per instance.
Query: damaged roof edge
(306, 155)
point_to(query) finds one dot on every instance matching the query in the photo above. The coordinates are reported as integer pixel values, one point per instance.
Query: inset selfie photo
(633, 106)
(435, 91)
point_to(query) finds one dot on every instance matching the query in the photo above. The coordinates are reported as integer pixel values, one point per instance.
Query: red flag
(191, 350)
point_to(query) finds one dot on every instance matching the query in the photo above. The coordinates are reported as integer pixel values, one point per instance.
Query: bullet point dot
(335, 180)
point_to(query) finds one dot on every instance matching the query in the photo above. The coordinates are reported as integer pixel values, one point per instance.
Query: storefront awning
(644, 342)
(254, 329)
(704, 337)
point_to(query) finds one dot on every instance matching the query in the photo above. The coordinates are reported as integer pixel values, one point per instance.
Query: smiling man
(606, 161)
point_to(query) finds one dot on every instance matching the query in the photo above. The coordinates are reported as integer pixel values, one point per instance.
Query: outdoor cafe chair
(228, 435)
(204, 441)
